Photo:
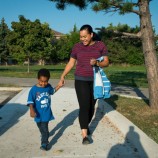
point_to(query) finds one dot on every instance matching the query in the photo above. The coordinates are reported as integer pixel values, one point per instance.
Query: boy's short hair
(43, 72)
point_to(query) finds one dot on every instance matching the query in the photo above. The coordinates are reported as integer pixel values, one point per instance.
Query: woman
(84, 55)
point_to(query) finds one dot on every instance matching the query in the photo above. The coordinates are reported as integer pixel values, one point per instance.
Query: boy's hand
(58, 87)
(61, 82)
(32, 113)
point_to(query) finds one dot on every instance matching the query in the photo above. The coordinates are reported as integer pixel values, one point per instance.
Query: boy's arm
(57, 88)
(32, 111)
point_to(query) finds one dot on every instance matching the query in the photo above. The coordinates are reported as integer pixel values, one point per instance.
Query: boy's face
(43, 81)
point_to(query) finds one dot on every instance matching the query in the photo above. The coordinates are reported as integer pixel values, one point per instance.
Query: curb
(129, 96)
(11, 88)
(144, 145)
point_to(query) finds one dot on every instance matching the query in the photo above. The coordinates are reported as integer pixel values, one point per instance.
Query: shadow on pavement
(99, 114)
(129, 91)
(65, 123)
(10, 114)
(137, 150)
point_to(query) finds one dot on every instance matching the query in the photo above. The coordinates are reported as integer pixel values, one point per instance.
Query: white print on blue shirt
(44, 103)
(43, 99)
(42, 95)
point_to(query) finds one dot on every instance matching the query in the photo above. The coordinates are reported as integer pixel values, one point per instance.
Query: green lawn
(122, 75)
(134, 76)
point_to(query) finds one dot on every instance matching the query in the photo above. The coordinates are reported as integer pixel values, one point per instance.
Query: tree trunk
(149, 51)
(28, 65)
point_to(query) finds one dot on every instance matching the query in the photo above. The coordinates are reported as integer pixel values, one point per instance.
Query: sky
(64, 21)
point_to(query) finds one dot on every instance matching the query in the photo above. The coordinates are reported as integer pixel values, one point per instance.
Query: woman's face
(86, 37)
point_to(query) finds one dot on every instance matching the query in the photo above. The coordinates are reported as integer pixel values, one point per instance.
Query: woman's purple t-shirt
(83, 54)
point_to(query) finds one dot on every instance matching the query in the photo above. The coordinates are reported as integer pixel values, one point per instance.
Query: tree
(146, 34)
(65, 44)
(30, 40)
(122, 51)
(4, 51)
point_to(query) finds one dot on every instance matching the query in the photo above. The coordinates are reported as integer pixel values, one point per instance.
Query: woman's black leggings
(84, 91)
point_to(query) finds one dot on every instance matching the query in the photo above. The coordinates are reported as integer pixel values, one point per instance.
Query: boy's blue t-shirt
(40, 98)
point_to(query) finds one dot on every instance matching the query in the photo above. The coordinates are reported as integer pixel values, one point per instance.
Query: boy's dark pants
(43, 127)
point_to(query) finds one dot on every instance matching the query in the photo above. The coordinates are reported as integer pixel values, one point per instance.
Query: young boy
(39, 101)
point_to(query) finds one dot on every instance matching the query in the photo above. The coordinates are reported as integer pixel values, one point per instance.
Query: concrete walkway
(113, 136)
(121, 90)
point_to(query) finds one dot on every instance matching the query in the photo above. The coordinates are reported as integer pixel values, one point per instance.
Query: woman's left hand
(93, 62)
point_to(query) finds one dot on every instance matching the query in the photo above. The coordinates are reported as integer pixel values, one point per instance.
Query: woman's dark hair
(90, 30)
(87, 27)
(43, 72)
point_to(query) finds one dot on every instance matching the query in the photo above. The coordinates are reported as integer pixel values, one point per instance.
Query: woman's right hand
(61, 82)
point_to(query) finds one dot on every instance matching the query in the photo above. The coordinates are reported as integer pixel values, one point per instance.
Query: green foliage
(65, 44)
(4, 31)
(35, 41)
(30, 40)
(63, 49)
(121, 6)
(122, 50)
(60, 4)
(126, 8)
(100, 6)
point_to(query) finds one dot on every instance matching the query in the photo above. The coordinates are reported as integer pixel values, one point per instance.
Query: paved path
(113, 136)
(121, 90)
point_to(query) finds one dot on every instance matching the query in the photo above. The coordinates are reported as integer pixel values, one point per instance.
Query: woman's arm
(103, 63)
(67, 69)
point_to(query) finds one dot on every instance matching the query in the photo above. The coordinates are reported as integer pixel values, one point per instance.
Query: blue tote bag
(102, 85)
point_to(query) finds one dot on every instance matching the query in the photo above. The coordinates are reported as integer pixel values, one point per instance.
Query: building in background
(57, 34)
